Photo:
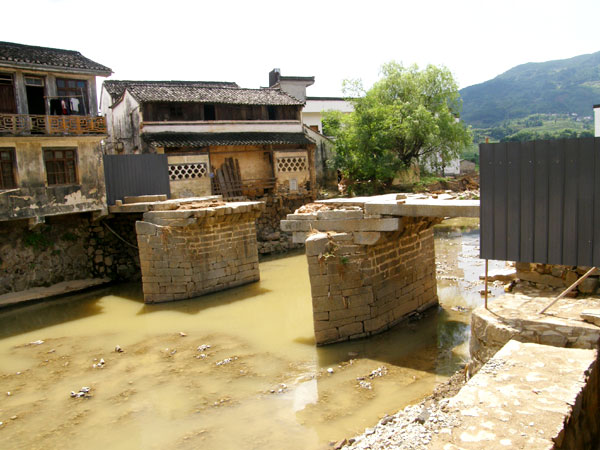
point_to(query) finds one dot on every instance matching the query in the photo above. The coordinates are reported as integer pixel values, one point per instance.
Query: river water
(262, 383)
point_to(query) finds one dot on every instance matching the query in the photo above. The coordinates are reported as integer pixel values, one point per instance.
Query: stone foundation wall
(187, 253)
(361, 288)
(559, 276)
(111, 256)
(64, 248)
(515, 317)
(270, 237)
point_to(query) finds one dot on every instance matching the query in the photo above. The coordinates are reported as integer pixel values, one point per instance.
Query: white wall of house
(312, 114)
(597, 120)
(124, 126)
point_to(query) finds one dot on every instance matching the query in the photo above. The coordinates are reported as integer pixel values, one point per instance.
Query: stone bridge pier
(371, 260)
(189, 248)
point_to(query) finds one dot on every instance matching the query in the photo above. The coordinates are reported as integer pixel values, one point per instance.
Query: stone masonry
(371, 260)
(516, 316)
(360, 289)
(197, 248)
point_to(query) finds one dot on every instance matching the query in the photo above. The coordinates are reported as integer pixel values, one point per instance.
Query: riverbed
(235, 369)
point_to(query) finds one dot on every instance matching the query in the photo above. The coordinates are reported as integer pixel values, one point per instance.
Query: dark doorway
(35, 100)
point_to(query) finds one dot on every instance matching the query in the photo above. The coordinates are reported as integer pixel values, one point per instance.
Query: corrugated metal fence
(130, 175)
(540, 201)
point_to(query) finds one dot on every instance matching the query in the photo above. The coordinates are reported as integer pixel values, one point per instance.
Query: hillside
(554, 87)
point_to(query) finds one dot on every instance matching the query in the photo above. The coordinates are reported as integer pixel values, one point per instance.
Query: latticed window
(291, 163)
(7, 168)
(61, 166)
(187, 171)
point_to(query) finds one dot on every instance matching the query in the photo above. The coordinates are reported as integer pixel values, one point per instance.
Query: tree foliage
(408, 115)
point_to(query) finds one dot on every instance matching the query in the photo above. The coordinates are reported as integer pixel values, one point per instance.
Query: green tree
(408, 115)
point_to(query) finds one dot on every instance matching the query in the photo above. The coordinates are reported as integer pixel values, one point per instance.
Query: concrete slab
(66, 287)
(527, 396)
(430, 207)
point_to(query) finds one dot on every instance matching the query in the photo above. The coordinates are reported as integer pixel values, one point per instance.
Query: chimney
(274, 76)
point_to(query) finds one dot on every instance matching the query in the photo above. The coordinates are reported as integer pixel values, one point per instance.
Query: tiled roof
(116, 87)
(167, 139)
(44, 57)
(199, 93)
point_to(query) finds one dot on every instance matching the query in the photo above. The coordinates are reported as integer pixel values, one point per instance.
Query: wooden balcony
(27, 124)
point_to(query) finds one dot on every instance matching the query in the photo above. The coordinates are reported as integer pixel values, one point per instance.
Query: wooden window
(61, 166)
(7, 168)
(76, 89)
(7, 94)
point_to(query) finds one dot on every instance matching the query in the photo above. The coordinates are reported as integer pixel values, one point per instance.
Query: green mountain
(563, 86)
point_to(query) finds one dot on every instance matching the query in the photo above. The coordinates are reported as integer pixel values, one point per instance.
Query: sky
(331, 40)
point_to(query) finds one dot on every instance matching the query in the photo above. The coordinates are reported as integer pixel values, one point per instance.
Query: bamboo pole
(569, 289)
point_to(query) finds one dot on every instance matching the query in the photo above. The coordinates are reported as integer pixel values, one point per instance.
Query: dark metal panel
(500, 188)
(527, 201)
(585, 199)
(569, 240)
(131, 175)
(486, 194)
(513, 199)
(540, 238)
(596, 237)
(556, 173)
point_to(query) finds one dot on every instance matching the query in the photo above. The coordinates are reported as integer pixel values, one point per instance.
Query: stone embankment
(66, 248)
(559, 276)
(270, 238)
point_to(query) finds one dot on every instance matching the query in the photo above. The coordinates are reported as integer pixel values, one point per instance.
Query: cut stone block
(527, 396)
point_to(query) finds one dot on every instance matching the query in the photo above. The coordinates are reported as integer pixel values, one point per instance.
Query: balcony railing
(19, 124)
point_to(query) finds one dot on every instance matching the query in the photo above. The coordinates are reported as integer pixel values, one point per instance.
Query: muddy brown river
(232, 370)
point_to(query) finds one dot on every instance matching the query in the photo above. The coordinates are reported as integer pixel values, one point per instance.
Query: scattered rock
(203, 347)
(14, 417)
(339, 444)
(8, 394)
(118, 349)
(226, 361)
(329, 370)
(182, 334)
(38, 342)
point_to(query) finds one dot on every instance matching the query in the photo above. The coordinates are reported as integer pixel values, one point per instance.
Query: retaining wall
(65, 248)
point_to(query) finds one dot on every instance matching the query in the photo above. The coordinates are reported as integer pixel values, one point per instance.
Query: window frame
(70, 177)
(66, 92)
(13, 167)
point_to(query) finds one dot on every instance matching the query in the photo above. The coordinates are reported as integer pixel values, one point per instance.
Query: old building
(50, 158)
(52, 189)
(219, 138)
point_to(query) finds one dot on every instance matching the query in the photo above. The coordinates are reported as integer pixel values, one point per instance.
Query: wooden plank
(513, 200)
(540, 238)
(596, 237)
(556, 160)
(569, 239)
(585, 200)
(500, 207)
(486, 222)
(527, 201)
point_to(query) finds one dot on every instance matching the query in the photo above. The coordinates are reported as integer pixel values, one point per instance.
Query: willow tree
(408, 115)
